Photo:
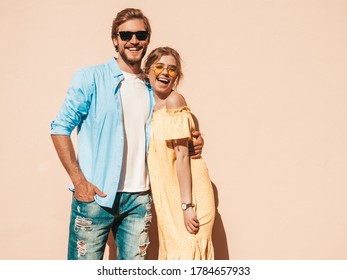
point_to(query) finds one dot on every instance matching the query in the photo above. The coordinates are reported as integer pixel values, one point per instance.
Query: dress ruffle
(178, 124)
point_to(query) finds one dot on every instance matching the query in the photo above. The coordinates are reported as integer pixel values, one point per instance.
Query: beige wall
(266, 79)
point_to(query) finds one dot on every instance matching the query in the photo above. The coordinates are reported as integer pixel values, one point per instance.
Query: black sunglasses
(127, 35)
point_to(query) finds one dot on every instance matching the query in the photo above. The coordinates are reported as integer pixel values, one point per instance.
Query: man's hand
(195, 147)
(191, 222)
(85, 191)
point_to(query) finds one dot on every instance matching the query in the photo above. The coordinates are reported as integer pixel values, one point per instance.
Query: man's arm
(75, 107)
(84, 190)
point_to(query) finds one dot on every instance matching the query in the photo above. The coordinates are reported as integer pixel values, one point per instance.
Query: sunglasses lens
(158, 69)
(127, 35)
(141, 35)
(172, 71)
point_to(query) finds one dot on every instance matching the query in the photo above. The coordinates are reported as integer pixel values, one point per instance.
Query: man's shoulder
(97, 71)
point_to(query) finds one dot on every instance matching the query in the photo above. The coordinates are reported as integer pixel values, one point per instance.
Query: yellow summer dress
(175, 242)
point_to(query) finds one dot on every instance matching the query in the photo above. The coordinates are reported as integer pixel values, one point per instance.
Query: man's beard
(132, 61)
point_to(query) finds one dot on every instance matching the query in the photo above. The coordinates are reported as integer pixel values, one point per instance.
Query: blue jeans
(129, 220)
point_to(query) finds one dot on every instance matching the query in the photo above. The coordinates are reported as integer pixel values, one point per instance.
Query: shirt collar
(114, 67)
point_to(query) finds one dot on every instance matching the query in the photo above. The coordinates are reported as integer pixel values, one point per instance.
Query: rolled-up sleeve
(75, 106)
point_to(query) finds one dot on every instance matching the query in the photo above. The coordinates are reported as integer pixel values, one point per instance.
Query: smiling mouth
(163, 80)
(133, 49)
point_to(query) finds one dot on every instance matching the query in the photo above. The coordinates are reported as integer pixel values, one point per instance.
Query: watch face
(184, 206)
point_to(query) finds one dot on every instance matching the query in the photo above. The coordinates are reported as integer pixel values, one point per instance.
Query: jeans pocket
(79, 201)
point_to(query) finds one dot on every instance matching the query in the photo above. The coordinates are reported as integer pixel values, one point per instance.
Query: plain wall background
(266, 80)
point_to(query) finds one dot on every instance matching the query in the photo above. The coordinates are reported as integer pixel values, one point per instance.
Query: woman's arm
(191, 222)
(181, 148)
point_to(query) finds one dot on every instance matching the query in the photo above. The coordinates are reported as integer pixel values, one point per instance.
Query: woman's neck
(160, 100)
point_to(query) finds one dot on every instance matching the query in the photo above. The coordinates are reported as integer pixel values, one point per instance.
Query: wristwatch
(185, 206)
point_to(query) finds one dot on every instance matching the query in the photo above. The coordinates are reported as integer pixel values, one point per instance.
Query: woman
(181, 187)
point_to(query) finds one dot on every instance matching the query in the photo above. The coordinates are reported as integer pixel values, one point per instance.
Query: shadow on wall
(112, 253)
(219, 237)
(153, 249)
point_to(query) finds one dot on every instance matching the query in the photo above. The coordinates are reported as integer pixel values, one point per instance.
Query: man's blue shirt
(93, 104)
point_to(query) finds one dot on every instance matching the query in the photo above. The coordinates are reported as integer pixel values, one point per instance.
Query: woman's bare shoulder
(175, 100)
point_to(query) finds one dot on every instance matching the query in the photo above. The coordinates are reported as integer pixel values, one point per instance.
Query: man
(111, 105)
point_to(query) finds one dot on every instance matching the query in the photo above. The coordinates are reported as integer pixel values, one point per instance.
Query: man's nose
(134, 40)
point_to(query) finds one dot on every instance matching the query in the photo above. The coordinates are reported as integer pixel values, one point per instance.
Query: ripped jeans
(129, 220)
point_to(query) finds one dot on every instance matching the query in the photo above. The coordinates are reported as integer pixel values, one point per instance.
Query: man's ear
(115, 43)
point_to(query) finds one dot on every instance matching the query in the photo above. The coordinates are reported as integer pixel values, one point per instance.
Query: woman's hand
(191, 222)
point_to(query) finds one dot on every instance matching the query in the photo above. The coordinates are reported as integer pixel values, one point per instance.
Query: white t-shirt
(136, 104)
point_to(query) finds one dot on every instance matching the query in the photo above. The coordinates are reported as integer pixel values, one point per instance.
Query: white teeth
(163, 80)
(133, 49)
